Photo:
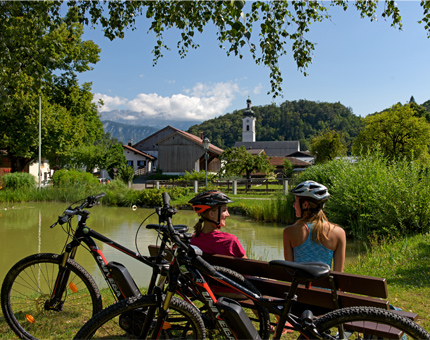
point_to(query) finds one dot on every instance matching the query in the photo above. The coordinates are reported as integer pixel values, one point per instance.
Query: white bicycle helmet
(312, 190)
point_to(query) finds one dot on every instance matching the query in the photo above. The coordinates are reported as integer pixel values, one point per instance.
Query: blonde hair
(318, 218)
(198, 227)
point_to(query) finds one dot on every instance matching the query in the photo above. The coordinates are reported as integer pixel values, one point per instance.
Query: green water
(24, 230)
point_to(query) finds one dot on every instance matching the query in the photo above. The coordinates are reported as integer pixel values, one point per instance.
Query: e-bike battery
(123, 279)
(236, 318)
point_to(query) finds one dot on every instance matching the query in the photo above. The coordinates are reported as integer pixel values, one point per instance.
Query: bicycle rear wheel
(28, 286)
(124, 320)
(369, 323)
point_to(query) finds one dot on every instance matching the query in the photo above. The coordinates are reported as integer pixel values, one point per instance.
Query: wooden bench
(337, 291)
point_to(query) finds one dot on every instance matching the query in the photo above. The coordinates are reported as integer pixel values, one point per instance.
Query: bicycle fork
(56, 302)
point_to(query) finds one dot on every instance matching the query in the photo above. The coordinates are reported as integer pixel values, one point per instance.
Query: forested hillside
(292, 120)
(426, 105)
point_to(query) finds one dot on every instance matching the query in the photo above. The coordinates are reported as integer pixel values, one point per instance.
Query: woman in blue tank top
(313, 237)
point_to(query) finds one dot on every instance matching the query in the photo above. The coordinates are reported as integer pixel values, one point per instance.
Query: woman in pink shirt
(211, 206)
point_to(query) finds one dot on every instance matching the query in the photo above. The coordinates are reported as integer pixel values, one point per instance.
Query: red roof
(279, 161)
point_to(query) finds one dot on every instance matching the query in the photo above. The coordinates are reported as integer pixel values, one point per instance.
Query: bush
(126, 173)
(19, 180)
(373, 198)
(197, 176)
(153, 197)
(69, 178)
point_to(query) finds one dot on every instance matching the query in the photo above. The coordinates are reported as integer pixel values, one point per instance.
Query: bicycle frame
(87, 235)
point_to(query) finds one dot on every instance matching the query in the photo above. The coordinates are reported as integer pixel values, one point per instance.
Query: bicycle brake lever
(63, 219)
(52, 226)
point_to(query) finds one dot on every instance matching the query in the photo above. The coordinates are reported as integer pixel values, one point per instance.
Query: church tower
(248, 131)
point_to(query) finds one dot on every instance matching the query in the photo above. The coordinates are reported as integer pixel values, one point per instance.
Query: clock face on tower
(247, 120)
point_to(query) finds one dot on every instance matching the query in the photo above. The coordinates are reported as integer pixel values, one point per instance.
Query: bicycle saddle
(310, 271)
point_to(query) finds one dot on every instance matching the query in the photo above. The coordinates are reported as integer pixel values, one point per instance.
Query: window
(130, 163)
(247, 128)
(141, 164)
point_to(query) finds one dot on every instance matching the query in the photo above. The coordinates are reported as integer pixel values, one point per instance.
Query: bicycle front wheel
(369, 323)
(29, 285)
(124, 320)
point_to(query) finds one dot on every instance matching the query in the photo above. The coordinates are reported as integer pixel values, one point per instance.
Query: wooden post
(157, 183)
(196, 187)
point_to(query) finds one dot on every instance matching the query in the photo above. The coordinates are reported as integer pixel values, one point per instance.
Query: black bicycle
(150, 316)
(43, 291)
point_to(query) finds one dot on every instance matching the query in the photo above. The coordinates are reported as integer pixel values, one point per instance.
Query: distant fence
(254, 185)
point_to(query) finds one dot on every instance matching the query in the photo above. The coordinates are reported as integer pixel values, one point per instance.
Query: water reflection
(24, 230)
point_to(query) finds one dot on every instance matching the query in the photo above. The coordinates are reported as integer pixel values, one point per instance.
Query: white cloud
(202, 102)
(258, 88)
(109, 103)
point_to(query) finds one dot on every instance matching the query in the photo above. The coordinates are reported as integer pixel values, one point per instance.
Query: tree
(397, 132)
(126, 173)
(327, 145)
(266, 28)
(115, 159)
(40, 52)
(237, 161)
(87, 157)
(288, 168)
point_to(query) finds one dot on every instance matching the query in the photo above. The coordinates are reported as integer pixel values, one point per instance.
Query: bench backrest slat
(314, 296)
(357, 284)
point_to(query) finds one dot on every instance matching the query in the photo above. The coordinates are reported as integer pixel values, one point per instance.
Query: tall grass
(373, 197)
(278, 208)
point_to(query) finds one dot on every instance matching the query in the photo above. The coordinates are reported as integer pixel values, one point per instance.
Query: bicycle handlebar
(89, 202)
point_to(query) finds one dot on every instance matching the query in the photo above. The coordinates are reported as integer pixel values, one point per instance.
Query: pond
(24, 230)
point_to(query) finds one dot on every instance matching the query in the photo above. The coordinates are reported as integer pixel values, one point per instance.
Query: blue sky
(365, 65)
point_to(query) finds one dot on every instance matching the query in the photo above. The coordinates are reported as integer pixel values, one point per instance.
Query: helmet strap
(217, 224)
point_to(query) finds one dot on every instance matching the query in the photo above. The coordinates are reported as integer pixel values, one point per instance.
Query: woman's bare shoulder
(337, 229)
(293, 227)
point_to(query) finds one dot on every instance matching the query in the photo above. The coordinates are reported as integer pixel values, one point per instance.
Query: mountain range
(125, 124)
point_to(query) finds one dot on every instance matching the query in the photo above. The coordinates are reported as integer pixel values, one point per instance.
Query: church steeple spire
(248, 111)
(248, 131)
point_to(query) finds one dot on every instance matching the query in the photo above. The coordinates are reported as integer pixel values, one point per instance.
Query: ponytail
(316, 216)
(198, 227)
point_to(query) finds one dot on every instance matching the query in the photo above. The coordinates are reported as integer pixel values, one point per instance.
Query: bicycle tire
(263, 322)
(124, 319)
(29, 284)
(353, 319)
